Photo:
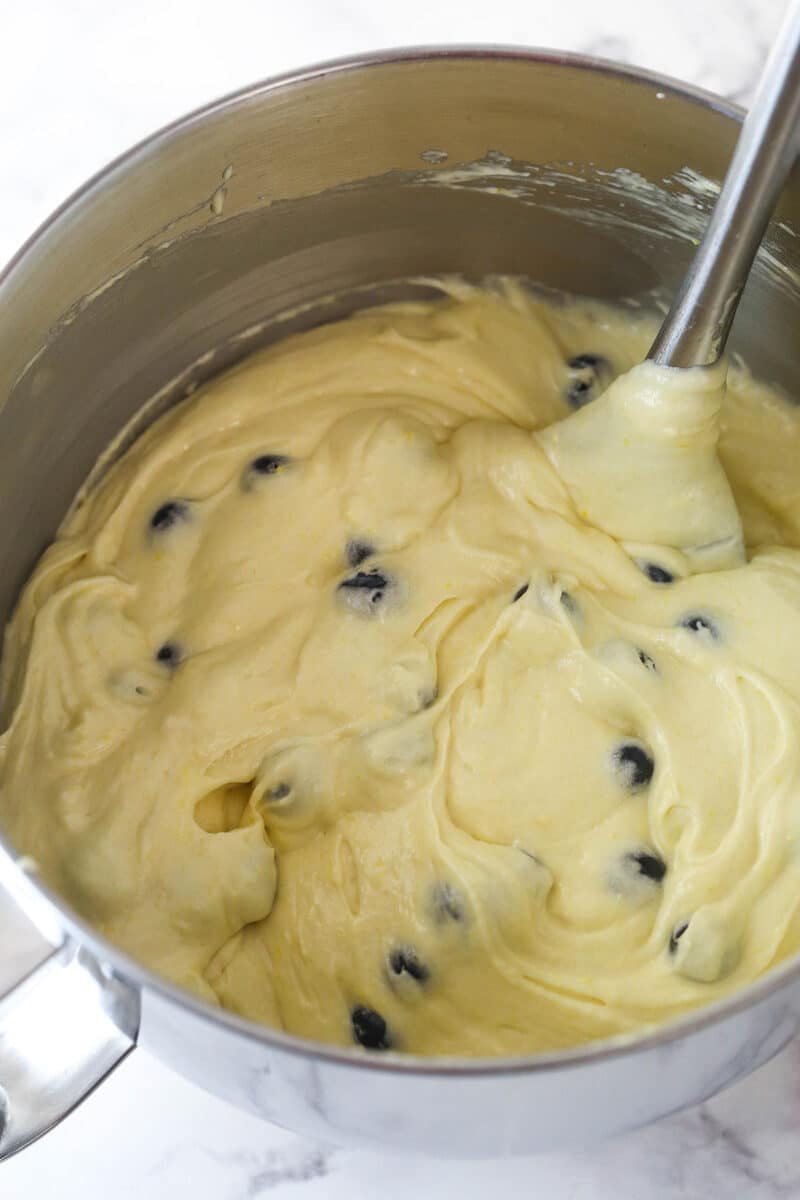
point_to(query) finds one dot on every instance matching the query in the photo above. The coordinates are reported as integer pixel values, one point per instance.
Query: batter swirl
(353, 703)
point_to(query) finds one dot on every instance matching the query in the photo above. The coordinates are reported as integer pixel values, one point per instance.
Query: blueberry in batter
(369, 1028)
(174, 512)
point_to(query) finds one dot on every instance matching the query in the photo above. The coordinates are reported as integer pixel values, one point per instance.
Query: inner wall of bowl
(335, 190)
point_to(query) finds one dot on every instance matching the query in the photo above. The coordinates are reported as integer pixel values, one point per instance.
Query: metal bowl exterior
(317, 184)
(485, 1111)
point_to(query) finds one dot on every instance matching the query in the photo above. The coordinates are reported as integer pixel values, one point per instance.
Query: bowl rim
(45, 908)
(357, 62)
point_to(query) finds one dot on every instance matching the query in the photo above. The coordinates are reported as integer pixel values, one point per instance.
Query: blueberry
(405, 962)
(646, 660)
(579, 392)
(703, 946)
(590, 374)
(365, 591)
(279, 792)
(676, 935)
(268, 464)
(170, 654)
(366, 580)
(634, 765)
(170, 514)
(369, 1028)
(701, 624)
(357, 551)
(520, 592)
(448, 904)
(636, 875)
(265, 464)
(657, 574)
(593, 362)
(648, 864)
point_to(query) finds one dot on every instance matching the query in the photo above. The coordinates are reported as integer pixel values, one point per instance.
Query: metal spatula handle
(696, 327)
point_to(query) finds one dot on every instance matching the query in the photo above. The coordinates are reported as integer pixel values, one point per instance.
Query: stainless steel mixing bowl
(174, 261)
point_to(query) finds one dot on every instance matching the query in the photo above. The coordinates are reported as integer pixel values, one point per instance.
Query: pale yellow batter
(348, 701)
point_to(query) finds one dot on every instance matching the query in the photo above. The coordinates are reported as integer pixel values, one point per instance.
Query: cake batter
(405, 688)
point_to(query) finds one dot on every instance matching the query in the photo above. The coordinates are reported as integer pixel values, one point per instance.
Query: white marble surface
(148, 1135)
(79, 81)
